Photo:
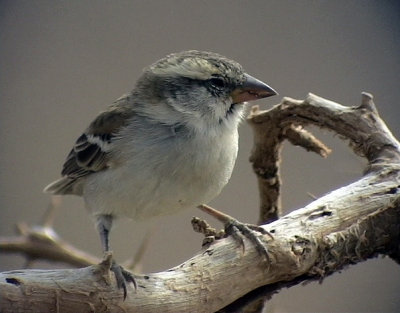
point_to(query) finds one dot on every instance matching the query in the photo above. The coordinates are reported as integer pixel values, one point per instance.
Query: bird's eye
(217, 82)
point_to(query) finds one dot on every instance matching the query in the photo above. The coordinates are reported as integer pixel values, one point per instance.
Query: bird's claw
(122, 277)
(239, 230)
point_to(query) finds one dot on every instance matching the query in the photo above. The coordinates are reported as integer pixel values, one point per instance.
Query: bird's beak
(251, 89)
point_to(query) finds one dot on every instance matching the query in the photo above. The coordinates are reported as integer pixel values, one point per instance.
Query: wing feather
(91, 152)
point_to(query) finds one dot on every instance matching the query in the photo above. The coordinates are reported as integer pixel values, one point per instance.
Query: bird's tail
(62, 186)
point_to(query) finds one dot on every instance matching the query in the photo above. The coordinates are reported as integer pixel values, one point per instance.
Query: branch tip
(254, 110)
(367, 102)
(107, 260)
(22, 228)
(50, 214)
(367, 95)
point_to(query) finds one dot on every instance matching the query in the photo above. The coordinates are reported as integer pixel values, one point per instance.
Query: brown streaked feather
(87, 155)
(90, 153)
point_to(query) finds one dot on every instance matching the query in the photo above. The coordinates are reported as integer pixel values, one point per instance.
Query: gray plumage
(169, 144)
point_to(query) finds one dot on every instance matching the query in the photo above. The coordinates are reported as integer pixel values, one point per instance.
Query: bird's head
(200, 89)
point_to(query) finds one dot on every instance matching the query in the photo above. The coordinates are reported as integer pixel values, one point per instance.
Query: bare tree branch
(346, 226)
(269, 136)
(43, 243)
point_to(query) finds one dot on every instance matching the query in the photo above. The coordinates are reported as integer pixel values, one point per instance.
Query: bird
(169, 144)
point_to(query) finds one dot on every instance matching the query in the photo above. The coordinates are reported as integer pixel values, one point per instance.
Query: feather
(91, 152)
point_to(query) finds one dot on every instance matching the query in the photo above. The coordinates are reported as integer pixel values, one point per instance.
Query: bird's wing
(91, 152)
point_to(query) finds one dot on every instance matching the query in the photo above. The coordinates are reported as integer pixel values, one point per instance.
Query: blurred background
(62, 62)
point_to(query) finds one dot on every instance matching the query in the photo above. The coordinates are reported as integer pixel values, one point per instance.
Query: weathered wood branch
(346, 226)
(362, 126)
(43, 243)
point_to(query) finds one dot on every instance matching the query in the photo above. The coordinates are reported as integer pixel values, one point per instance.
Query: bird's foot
(122, 276)
(239, 230)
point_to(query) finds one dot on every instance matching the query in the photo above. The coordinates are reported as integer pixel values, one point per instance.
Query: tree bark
(346, 226)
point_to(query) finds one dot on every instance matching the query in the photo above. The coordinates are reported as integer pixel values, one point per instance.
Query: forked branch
(346, 226)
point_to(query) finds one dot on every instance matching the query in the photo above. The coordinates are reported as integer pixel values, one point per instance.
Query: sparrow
(169, 144)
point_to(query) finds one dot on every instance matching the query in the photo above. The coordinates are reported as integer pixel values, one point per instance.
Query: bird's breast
(166, 177)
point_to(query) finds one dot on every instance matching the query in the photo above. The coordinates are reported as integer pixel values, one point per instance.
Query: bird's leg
(122, 276)
(237, 229)
(104, 224)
